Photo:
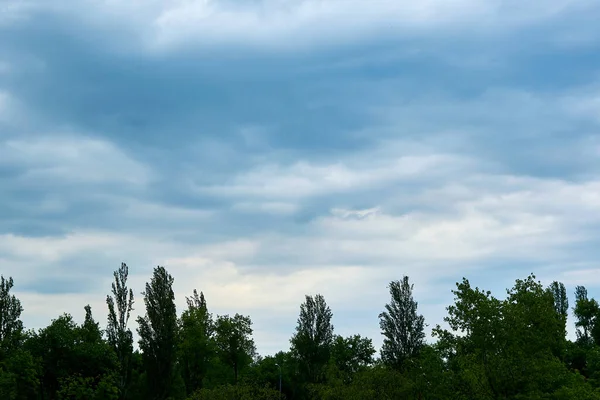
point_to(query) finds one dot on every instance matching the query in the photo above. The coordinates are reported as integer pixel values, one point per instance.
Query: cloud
(219, 139)
(283, 25)
(6, 107)
(277, 208)
(349, 260)
(71, 160)
(360, 214)
(584, 277)
(305, 179)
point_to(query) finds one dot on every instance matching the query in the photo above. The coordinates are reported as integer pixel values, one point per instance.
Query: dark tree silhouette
(158, 334)
(120, 337)
(401, 326)
(311, 344)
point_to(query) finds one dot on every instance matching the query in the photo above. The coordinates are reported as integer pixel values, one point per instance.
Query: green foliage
(265, 371)
(586, 313)
(19, 376)
(119, 335)
(373, 383)
(158, 334)
(11, 325)
(311, 344)
(351, 355)
(196, 347)
(77, 387)
(234, 343)
(506, 348)
(237, 392)
(401, 326)
(67, 352)
(561, 300)
(18, 370)
(495, 349)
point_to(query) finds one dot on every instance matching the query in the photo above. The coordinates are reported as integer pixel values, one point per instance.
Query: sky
(264, 150)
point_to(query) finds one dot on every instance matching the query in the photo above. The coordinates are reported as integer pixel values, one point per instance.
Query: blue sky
(268, 149)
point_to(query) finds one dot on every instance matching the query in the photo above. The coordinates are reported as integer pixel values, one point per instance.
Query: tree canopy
(493, 347)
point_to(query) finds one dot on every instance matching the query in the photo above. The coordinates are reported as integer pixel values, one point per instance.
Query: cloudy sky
(267, 149)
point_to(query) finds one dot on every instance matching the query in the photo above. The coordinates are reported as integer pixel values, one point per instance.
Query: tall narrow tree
(158, 333)
(196, 347)
(401, 326)
(561, 303)
(11, 325)
(18, 370)
(120, 337)
(311, 344)
(586, 314)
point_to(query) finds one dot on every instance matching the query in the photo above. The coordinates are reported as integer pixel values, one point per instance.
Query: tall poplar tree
(11, 325)
(158, 334)
(196, 347)
(587, 312)
(120, 337)
(311, 344)
(401, 325)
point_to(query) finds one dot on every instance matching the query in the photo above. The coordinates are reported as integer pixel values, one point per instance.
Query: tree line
(510, 348)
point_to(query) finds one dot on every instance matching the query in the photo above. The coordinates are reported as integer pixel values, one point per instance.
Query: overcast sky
(267, 149)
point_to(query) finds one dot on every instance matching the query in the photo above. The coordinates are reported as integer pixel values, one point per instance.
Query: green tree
(352, 354)
(401, 326)
(561, 300)
(120, 337)
(19, 376)
(311, 343)
(265, 371)
(18, 372)
(504, 349)
(586, 313)
(234, 343)
(67, 351)
(77, 387)
(242, 391)
(158, 334)
(11, 325)
(54, 346)
(378, 382)
(529, 312)
(196, 347)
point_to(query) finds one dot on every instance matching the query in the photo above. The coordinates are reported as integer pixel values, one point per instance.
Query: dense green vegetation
(495, 348)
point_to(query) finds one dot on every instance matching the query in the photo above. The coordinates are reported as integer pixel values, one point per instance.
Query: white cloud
(230, 288)
(350, 260)
(273, 207)
(14, 11)
(283, 23)
(71, 159)
(40, 309)
(292, 24)
(304, 179)
(438, 221)
(586, 277)
(343, 213)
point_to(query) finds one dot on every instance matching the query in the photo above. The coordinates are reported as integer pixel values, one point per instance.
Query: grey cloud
(480, 154)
